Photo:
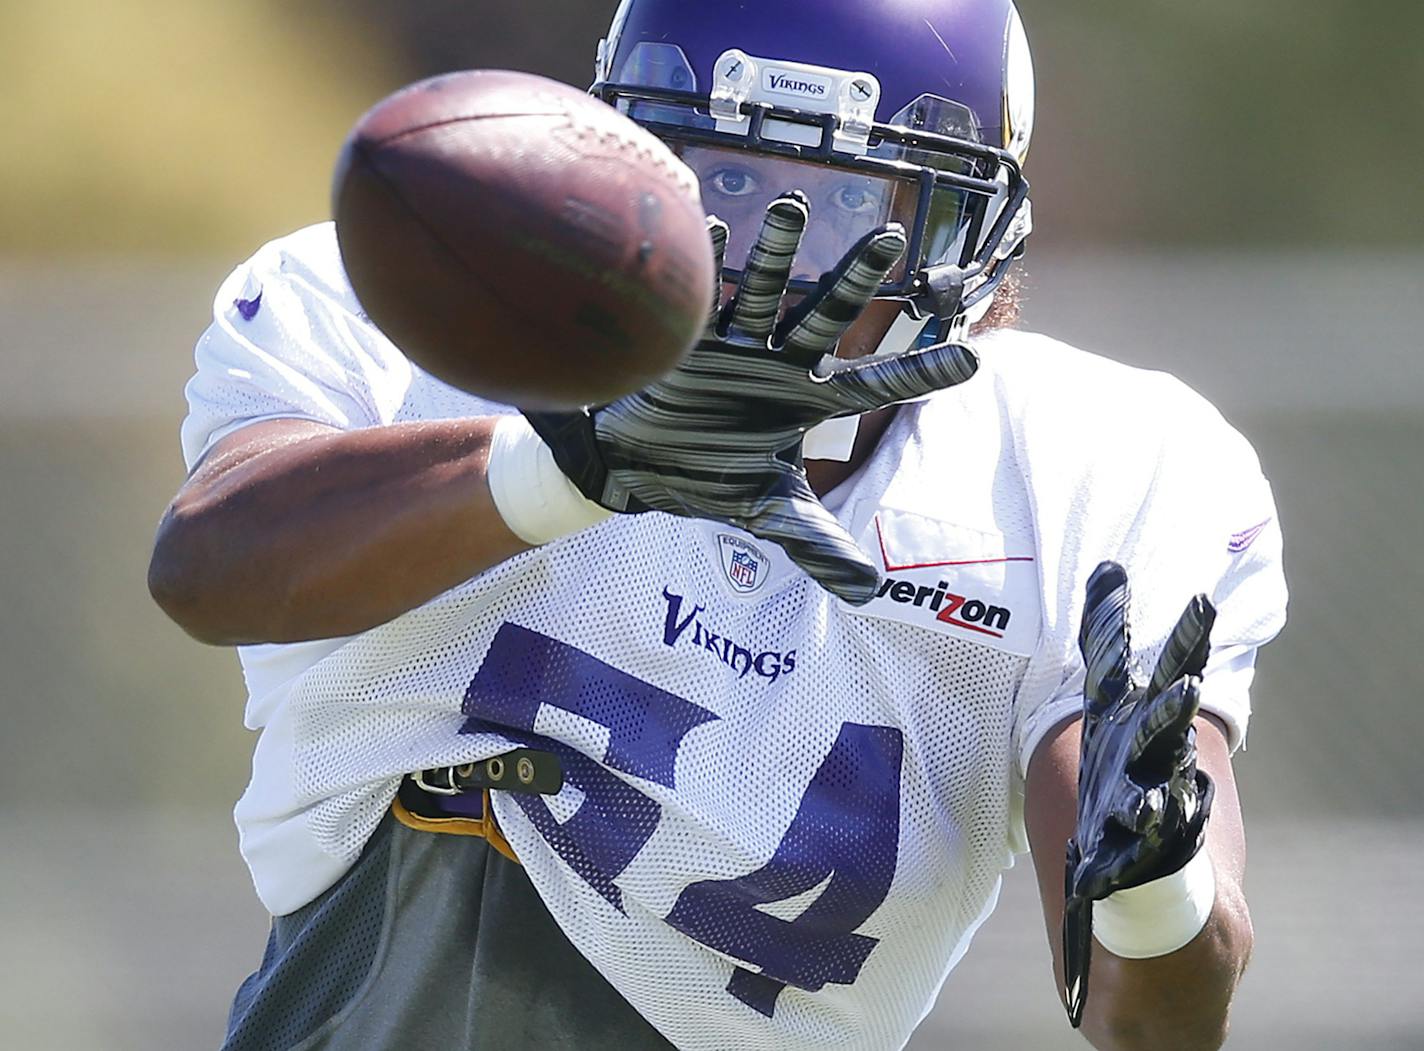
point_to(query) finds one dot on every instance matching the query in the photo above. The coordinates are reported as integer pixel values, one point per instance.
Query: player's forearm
(1177, 1002)
(318, 533)
(1173, 1002)
(1181, 1001)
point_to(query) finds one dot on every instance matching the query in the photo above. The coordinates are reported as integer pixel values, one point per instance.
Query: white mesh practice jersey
(784, 817)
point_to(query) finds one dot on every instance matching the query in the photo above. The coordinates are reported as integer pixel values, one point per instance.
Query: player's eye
(855, 199)
(733, 182)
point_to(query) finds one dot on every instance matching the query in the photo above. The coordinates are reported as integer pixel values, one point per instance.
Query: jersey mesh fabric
(784, 817)
(392, 703)
(739, 781)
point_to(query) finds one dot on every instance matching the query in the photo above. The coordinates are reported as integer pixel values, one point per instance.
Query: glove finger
(1138, 810)
(717, 233)
(867, 384)
(815, 325)
(1186, 793)
(1104, 639)
(1093, 877)
(1161, 736)
(1077, 955)
(1187, 647)
(815, 541)
(759, 293)
(1204, 792)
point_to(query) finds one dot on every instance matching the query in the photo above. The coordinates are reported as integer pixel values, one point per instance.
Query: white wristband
(1158, 917)
(536, 499)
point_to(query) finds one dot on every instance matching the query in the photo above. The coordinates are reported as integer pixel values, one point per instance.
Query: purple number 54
(845, 834)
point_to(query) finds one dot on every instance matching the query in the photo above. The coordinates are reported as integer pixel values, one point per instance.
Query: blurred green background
(1228, 191)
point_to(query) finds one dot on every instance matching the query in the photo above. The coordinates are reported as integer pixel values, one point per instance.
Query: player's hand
(1142, 803)
(720, 437)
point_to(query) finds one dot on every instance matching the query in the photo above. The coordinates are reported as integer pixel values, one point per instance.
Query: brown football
(522, 240)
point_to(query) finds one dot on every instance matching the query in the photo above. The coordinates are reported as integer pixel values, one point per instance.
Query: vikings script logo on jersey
(688, 627)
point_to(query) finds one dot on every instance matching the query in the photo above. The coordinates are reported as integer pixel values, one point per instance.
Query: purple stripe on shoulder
(1241, 541)
(248, 308)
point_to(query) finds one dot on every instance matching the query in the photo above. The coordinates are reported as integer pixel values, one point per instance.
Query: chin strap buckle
(939, 292)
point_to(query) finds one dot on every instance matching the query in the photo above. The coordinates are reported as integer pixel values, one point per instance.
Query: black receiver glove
(1142, 803)
(720, 436)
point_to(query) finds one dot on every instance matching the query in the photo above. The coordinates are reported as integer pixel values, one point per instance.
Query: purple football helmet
(916, 111)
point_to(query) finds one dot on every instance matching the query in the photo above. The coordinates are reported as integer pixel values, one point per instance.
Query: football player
(712, 717)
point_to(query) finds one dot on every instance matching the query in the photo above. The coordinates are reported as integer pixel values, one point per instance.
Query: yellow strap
(486, 828)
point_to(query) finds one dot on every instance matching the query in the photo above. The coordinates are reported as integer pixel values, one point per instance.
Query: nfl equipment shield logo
(743, 570)
(743, 562)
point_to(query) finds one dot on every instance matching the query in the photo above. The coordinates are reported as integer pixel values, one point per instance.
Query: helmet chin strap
(835, 439)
